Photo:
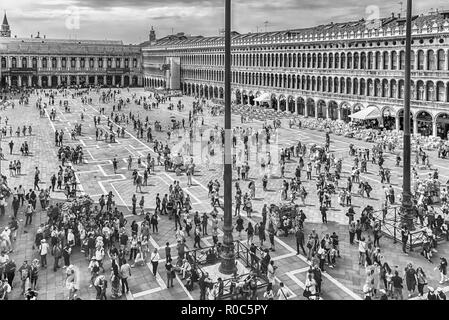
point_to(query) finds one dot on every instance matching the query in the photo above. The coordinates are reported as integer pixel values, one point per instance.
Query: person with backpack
(24, 272)
(125, 273)
(66, 255)
(57, 254)
(101, 285)
(442, 267)
(154, 258)
(34, 273)
(29, 213)
(170, 272)
(397, 286)
(10, 271)
(299, 235)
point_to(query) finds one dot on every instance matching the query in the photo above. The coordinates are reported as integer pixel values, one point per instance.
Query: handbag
(306, 293)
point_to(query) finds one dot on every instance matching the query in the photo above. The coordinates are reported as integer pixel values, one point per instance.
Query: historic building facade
(329, 71)
(42, 62)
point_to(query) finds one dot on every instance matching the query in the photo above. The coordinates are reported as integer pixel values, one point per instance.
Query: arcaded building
(41, 62)
(328, 71)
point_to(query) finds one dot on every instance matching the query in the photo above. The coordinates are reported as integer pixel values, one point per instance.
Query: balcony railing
(435, 74)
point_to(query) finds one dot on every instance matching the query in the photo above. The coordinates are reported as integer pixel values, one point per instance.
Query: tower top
(5, 31)
(5, 20)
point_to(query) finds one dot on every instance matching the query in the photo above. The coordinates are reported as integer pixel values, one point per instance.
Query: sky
(130, 20)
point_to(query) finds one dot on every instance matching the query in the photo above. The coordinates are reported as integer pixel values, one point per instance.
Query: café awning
(266, 97)
(366, 114)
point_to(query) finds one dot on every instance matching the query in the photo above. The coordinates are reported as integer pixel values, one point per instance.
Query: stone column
(434, 128)
(446, 59)
(30, 83)
(316, 111)
(49, 81)
(77, 80)
(96, 80)
(339, 111)
(397, 122)
(19, 81)
(8, 79)
(59, 80)
(113, 80)
(39, 81)
(9, 61)
(122, 81)
(77, 63)
(416, 61)
(445, 93)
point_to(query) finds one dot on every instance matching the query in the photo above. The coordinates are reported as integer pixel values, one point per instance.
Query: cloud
(130, 19)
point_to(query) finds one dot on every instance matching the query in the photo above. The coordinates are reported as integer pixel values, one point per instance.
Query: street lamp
(227, 254)
(407, 214)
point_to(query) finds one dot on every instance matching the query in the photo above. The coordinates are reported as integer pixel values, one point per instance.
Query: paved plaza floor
(96, 177)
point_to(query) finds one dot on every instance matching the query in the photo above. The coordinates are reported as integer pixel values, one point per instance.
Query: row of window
(428, 91)
(430, 60)
(46, 62)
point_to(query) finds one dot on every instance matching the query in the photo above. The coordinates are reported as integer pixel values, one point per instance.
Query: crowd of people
(102, 233)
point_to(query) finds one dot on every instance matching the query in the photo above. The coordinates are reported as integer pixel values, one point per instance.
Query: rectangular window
(109, 63)
(64, 63)
(126, 63)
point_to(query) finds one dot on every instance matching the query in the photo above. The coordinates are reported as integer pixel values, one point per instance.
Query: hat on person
(43, 240)
(431, 289)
